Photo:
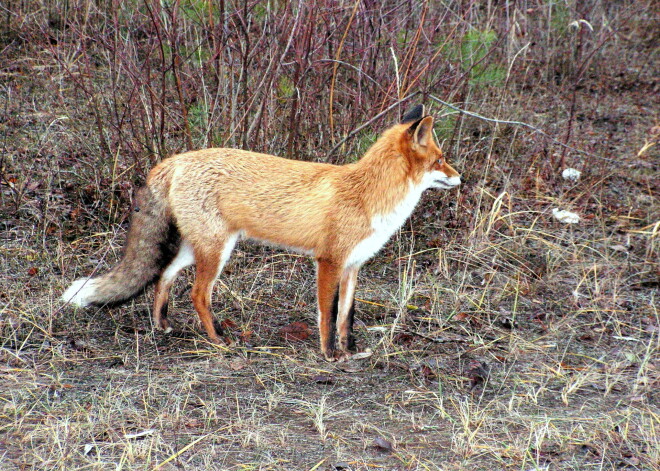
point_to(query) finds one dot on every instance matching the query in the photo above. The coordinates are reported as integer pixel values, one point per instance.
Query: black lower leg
(163, 311)
(218, 327)
(351, 317)
(333, 326)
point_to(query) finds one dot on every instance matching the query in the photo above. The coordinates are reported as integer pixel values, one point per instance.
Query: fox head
(424, 156)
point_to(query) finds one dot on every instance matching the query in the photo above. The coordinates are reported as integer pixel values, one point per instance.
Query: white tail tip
(80, 293)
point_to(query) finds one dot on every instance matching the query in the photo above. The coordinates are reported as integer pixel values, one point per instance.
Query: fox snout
(453, 181)
(446, 177)
(441, 180)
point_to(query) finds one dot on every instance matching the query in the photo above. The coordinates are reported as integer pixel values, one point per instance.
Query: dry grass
(501, 338)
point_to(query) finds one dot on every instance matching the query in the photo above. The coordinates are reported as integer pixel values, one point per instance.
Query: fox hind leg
(209, 259)
(184, 258)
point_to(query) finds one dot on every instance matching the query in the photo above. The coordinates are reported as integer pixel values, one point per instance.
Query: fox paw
(347, 344)
(164, 325)
(337, 356)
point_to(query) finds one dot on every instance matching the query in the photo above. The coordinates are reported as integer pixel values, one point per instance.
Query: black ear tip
(414, 114)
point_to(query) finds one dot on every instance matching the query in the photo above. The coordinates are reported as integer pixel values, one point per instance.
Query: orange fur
(341, 215)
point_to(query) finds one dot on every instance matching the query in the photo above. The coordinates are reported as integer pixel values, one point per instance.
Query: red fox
(196, 205)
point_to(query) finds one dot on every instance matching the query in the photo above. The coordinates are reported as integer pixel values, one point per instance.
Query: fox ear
(423, 131)
(415, 114)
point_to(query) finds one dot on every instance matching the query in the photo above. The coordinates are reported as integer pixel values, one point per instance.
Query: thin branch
(336, 65)
(523, 124)
(357, 69)
(360, 128)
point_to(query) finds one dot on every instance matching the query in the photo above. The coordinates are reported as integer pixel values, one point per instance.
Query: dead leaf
(462, 316)
(478, 373)
(295, 332)
(32, 271)
(238, 364)
(245, 335)
(383, 445)
(427, 372)
(349, 367)
(402, 338)
(228, 324)
(362, 355)
(323, 379)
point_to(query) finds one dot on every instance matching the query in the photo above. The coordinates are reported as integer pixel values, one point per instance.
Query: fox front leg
(346, 310)
(328, 278)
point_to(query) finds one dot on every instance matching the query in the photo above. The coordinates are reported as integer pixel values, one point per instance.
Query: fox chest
(383, 227)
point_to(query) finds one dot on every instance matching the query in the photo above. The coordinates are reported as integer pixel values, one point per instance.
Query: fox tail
(153, 241)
